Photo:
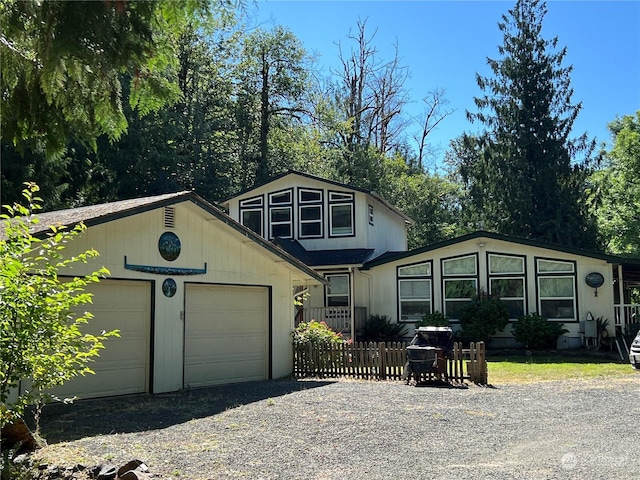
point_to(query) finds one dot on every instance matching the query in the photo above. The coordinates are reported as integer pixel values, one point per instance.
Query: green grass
(525, 369)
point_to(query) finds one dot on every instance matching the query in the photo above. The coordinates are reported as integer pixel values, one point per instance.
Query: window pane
(507, 287)
(311, 229)
(338, 301)
(503, 264)
(453, 308)
(460, 288)
(310, 213)
(415, 270)
(310, 196)
(282, 197)
(341, 220)
(460, 266)
(516, 308)
(338, 284)
(414, 311)
(556, 287)
(557, 309)
(281, 230)
(415, 289)
(337, 196)
(253, 219)
(253, 202)
(280, 215)
(553, 266)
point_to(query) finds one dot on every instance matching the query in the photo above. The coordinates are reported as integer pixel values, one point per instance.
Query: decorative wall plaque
(594, 280)
(169, 246)
(169, 287)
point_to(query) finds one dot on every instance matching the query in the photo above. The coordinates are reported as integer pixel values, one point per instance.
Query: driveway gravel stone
(317, 429)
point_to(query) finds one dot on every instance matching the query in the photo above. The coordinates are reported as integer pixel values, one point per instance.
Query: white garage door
(226, 334)
(123, 365)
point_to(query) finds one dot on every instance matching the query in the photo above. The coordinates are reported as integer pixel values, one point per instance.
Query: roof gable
(326, 181)
(107, 212)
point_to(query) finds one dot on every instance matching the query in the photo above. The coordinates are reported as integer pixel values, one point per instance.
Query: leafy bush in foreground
(536, 332)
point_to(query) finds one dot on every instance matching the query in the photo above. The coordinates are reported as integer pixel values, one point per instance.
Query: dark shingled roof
(324, 258)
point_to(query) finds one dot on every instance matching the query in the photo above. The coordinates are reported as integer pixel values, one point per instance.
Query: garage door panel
(123, 365)
(226, 334)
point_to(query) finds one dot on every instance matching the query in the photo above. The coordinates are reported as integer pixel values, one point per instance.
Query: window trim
(253, 204)
(343, 198)
(425, 277)
(499, 276)
(458, 276)
(327, 287)
(310, 204)
(281, 205)
(249, 210)
(555, 274)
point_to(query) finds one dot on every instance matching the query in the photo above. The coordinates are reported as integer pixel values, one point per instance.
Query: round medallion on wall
(169, 287)
(169, 246)
(594, 280)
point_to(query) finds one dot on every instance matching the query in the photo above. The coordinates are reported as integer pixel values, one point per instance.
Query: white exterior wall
(383, 296)
(231, 258)
(387, 234)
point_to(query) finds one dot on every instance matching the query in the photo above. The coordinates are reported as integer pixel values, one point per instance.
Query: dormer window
(251, 214)
(310, 213)
(281, 214)
(341, 216)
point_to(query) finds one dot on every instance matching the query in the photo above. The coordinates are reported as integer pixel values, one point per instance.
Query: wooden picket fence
(383, 361)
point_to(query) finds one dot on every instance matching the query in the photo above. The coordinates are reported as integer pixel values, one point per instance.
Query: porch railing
(625, 315)
(336, 318)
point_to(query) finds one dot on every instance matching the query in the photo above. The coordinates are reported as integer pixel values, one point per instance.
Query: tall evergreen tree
(523, 175)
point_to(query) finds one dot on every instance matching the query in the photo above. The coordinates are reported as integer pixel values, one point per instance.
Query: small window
(280, 198)
(310, 213)
(251, 202)
(280, 220)
(507, 281)
(252, 219)
(341, 219)
(459, 283)
(338, 290)
(340, 196)
(414, 291)
(309, 196)
(370, 214)
(557, 299)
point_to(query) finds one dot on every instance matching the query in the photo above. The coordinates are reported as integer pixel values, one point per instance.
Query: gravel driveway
(361, 430)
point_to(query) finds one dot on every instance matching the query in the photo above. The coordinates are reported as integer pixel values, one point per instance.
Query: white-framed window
(507, 281)
(556, 287)
(310, 213)
(459, 283)
(341, 214)
(251, 214)
(414, 291)
(281, 214)
(337, 292)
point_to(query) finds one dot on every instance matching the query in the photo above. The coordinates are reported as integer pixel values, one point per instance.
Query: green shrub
(316, 333)
(378, 328)
(482, 318)
(435, 319)
(536, 332)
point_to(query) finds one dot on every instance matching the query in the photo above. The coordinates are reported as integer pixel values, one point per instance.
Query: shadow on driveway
(136, 413)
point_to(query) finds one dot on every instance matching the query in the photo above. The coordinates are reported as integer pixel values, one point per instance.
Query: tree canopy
(62, 63)
(615, 190)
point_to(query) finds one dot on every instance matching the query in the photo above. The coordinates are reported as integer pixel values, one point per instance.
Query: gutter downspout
(352, 308)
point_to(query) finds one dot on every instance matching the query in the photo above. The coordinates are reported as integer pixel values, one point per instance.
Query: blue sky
(444, 44)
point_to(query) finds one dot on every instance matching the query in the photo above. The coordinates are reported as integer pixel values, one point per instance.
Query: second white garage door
(226, 334)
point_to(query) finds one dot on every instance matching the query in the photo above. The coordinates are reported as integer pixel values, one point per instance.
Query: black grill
(428, 352)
